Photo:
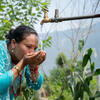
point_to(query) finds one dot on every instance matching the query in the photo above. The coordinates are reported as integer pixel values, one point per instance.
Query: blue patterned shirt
(7, 75)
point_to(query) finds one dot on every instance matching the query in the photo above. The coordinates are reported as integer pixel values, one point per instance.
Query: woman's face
(29, 44)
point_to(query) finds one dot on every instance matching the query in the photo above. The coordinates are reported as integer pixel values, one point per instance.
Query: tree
(17, 12)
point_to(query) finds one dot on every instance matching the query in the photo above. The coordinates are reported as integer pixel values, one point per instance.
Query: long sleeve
(6, 79)
(6, 74)
(35, 85)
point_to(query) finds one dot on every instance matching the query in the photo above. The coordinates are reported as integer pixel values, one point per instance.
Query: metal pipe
(56, 13)
(69, 18)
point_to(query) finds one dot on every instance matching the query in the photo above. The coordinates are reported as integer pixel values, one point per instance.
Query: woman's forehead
(31, 39)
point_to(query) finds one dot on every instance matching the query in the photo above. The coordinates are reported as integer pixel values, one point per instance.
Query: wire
(65, 7)
(92, 21)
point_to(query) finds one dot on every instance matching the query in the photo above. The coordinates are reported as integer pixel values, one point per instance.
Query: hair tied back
(9, 35)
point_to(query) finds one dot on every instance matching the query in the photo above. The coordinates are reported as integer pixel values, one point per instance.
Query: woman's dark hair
(20, 33)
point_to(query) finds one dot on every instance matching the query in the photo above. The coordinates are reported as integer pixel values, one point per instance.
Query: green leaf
(35, 18)
(85, 60)
(78, 91)
(92, 67)
(30, 10)
(50, 38)
(44, 41)
(33, 14)
(48, 45)
(89, 52)
(39, 12)
(88, 79)
(97, 72)
(50, 42)
(5, 21)
(10, 6)
(97, 94)
(38, 15)
(81, 44)
(38, 1)
(35, 4)
(87, 89)
(44, 3)
(9, 12)
(39, 45)
(44, 46)
(1, 7)
(37, 9)
(91, 98)
(24, 7)
(1, 10)
(20, 4)
(87, 57)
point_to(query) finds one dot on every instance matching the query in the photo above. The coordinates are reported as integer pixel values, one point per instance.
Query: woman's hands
(34, 58)
(31, 59)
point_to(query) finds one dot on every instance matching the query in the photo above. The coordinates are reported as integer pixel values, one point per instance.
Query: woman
(18, 59)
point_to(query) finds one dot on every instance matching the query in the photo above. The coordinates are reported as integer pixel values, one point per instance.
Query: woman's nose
(31, 50)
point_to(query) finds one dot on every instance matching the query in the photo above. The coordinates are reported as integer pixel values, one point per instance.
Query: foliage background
(59, 84)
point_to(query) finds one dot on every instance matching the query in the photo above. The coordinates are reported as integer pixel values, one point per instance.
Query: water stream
(42, 48)
(41, 37)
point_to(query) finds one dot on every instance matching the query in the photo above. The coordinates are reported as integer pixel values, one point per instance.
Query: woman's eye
(28, 47)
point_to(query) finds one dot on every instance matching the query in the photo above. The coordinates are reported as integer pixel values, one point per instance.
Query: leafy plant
(79, 80)
(45, 43)
(17, 12)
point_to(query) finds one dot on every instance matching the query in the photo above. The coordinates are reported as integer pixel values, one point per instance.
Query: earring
(12, 50)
